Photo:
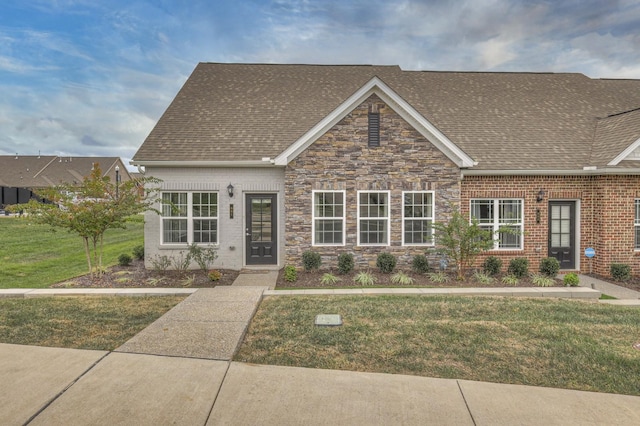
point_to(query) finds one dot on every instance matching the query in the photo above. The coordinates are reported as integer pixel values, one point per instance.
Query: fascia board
(624, 154)
(222, 164)
(403, 108)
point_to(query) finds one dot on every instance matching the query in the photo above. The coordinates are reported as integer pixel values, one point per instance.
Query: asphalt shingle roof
(504, 121)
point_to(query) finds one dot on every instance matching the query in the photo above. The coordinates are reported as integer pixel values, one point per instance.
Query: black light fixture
(230, 190)
(540, 196)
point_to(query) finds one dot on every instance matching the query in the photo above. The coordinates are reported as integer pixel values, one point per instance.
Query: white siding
(231, 253)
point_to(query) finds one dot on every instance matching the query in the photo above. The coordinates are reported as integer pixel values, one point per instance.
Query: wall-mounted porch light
(540, 196)
(230, 190)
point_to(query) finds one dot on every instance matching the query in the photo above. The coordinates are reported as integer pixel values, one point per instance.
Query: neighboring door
(261, 229)
(562, 233)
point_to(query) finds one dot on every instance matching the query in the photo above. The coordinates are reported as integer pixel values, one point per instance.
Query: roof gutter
(265, 162)
(587, 171)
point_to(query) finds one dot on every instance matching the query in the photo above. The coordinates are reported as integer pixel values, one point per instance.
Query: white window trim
(433, 218)
(388, 218)
(636, 223)
(189, 218)
(313, 218)
(496, 221)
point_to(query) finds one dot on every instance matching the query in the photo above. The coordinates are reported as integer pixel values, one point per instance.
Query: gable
(377, 87)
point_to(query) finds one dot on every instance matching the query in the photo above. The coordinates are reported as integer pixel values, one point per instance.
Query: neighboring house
(268, 161)
(21, 176)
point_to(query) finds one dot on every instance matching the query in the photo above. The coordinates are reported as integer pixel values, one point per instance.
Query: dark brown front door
(562, 233)
(261, 229)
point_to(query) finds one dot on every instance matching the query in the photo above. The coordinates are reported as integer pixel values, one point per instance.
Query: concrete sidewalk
(51, 386)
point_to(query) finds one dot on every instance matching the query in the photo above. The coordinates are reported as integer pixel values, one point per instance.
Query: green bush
(345, 263)
(290, 274)
(542, 280)
(518, 267)
(386, 262)
(124, 260)
(138, 252)
(214, 275)
(510, 280)
(420, 264)
(311, 260)
(483, 278)
(571, 279)
(492, 265)
(329, 279)
(364, 278)
(402, 279)
(549, 266)
(620, 271)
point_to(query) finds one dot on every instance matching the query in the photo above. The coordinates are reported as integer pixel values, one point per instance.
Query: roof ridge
(620, 113)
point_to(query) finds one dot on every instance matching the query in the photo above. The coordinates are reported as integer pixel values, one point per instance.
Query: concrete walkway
(624, 296)
(179, 371)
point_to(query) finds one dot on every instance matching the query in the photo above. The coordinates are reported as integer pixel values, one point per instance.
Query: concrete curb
(48, 292)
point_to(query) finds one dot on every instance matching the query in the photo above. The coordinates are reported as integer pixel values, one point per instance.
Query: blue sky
(91, 77)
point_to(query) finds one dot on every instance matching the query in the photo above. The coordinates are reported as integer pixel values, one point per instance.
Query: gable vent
(374, 127)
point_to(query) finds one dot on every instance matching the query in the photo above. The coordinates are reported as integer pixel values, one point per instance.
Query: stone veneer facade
(342, 160)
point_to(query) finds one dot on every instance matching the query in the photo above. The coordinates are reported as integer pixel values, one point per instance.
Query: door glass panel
(555, 240)
(261, 220)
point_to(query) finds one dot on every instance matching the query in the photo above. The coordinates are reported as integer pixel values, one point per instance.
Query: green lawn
(539, 342)
(34, 256)
(101, 323)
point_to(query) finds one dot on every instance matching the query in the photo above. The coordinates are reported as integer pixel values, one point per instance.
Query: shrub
(439, 277)
(124, 260)
(492, 265)
(138, 252)
(345, 263)
(542, 280)
(329, 279)
(620, 271)
(510, 280)
(290, 274)
(483, 278)
(518, 267)
(549, 266)
(420, 264)
(203, 256)
(364, 278)
(311, 260)
(402, 279)
(214, 275)
(386, 262)
(571, 279)
(160, 263)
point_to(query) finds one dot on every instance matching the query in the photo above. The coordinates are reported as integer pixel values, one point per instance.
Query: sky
(92, 77)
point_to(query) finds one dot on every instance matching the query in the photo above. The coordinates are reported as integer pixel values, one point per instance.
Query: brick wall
(605, 215)
(342, 160)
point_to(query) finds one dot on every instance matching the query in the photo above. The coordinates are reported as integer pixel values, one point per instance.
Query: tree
(462, 241)
(90, 209)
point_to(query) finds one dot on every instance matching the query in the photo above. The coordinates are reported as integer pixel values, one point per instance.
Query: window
(328, 218)
(189, 217)
(417, 218)
(498, 215)
(636, 225)
(373, 218)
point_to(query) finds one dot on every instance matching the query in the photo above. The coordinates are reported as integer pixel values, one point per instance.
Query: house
(22, 175)
(268, 161)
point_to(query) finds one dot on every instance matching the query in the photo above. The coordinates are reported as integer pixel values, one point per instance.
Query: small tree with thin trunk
(91, 208)
(462, 241)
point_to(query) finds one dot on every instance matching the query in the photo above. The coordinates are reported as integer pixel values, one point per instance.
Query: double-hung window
(636, 224)
(373, 218)
(417, 218)
(328, 217)
(503, 218)
(189, 217)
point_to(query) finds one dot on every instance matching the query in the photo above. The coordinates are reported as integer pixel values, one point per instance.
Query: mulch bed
(136, 275)
(312, 279)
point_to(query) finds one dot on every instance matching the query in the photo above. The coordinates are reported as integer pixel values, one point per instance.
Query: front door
(562, 233)
(261, 230)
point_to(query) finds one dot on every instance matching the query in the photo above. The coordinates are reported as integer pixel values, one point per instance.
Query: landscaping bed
(136, 275)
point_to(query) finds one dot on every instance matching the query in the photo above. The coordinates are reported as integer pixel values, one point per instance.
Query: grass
(101, 323)
(554, 343)
(34, 256)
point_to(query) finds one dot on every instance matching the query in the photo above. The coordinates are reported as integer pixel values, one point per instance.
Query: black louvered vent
(374, 129)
